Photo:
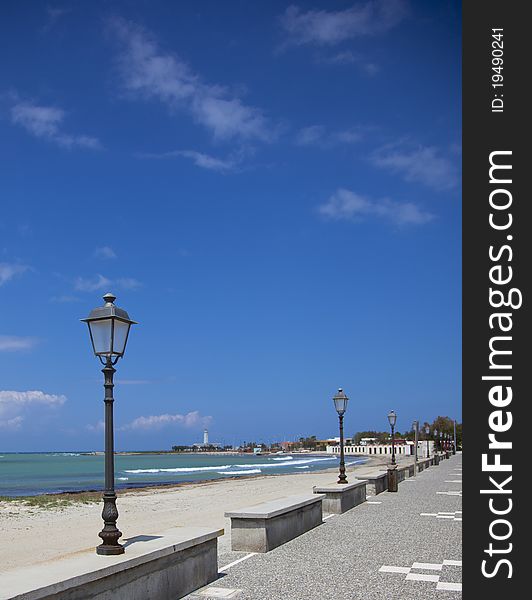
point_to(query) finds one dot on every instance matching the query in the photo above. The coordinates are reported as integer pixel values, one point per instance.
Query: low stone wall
(376, 484)
(424, 464)
(339, 498)
(405, 472)
(265, 526)
(159, 567)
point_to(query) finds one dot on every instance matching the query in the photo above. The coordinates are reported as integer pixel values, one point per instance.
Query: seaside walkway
(401, 546)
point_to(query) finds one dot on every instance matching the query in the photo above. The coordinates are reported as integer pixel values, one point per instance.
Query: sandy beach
(32, 534)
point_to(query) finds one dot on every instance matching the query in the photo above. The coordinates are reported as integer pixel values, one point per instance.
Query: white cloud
(14, 404)
(317, 135)
(308, 136)
(420, 164)
(210, 162)
(200, 159)
(104, 252)
(13, 343)
(46, 122)
(347, 205)
(100, 282)
(150, 73)
(322, 27)
(191, 419)
(11, 424)
(99, 426)
(10, 270)
(350, 58)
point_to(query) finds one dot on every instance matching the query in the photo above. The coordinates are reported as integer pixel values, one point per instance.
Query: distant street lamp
(427, 431)
(392, 417)
(415, 427)
(109, 330)
(340, 403)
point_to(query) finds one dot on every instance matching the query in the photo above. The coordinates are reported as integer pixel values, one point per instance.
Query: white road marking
(236, 562)
(448, 586)
(217, 592)
(453, 481)
(386, 569)
(422, 577)
(453, 563)
(429, 566)
(374, 502)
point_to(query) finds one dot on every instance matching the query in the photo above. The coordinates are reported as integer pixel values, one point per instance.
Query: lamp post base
(110, 532)
(110, 550)
(392, 478)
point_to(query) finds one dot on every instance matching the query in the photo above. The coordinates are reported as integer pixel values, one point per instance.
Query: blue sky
(271, 190)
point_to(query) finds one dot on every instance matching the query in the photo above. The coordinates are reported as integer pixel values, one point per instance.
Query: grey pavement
(405, 545)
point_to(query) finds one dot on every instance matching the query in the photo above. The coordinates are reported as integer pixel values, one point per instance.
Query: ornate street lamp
(427, 431)
(415, 427)
(392, 418)
(340, 403)
(109, 330)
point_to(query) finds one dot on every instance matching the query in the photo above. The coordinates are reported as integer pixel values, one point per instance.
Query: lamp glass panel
(121, 330)
(101, 336)
(392, 418)
(340, 404)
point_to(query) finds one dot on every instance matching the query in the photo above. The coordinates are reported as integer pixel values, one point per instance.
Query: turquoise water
(31, 474)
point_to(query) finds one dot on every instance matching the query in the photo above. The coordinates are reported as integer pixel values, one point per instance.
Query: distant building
(402, 447)
(369, 440)
(205, 437)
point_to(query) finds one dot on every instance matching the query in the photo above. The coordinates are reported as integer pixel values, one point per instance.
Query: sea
(30, 474)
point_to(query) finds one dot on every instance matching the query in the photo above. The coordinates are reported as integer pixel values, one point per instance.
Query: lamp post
(415, 427)
(392, 468)
(427, 431)
(454, 436)
(109, 330)
(340, 403)
(392, 417)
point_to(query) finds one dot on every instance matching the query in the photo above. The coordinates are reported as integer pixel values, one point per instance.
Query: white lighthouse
(205, 437)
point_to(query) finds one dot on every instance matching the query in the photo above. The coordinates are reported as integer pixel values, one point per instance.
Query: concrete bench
(341, 497)
(265, 526)
(376, 484)
(168, 565)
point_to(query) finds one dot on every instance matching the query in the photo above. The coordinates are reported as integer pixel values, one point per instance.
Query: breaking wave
(246, 472)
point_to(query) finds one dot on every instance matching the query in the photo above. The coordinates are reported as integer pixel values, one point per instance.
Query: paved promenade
(401, 546)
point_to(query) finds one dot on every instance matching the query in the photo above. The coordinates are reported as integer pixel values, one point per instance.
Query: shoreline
(128, 489)
(121, 488)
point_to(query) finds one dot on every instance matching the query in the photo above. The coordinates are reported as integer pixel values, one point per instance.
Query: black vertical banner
(497, 261)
